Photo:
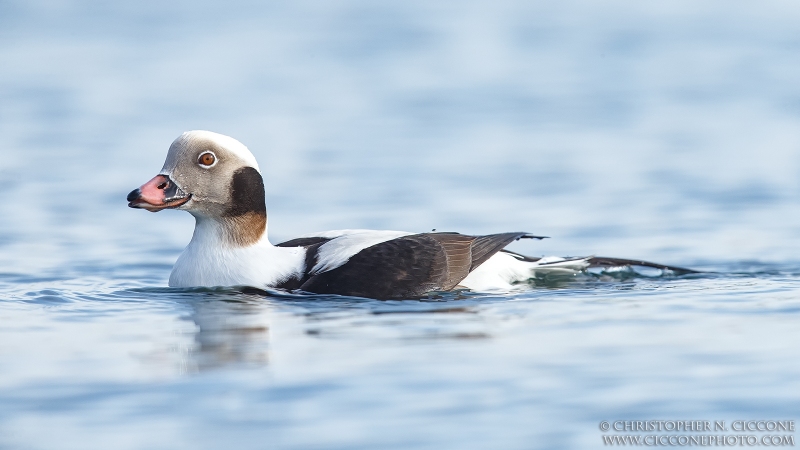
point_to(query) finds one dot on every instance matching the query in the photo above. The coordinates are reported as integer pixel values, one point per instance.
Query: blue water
(668, 132)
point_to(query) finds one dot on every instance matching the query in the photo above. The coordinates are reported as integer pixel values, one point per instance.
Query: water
(662, 132)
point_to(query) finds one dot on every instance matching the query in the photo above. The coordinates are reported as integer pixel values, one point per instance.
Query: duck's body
(216, 179)
(364, 263)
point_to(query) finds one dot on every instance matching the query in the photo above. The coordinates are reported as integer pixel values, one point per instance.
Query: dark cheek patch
(246, 217)
(247, 193)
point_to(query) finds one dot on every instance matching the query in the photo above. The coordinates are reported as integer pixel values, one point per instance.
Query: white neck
(211, 259)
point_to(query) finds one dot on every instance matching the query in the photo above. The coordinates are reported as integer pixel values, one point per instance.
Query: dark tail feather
(601, 261)
(530, 236)
(483, 247)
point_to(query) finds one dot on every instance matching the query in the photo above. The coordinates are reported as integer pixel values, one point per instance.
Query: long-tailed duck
(217, 180)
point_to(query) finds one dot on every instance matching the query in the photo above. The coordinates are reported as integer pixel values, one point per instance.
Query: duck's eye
(207, 159)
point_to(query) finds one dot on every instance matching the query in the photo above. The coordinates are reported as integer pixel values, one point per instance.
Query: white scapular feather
(346, 243)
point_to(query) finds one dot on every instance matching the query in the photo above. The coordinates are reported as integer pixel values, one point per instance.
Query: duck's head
(212, 176)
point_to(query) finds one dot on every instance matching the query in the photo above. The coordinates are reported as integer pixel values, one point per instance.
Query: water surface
(661, 132)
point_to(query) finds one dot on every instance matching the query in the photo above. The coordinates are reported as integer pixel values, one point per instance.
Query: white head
(213, 177)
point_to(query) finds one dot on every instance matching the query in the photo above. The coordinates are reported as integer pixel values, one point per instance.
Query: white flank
(346, 243)
(500, 271)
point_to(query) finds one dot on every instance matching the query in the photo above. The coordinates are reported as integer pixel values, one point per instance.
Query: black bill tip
(135, 194)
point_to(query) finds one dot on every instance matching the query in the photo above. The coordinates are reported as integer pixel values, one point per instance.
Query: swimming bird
(217, 179)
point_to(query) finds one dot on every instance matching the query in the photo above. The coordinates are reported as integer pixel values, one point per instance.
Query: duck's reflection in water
(229, 332)
(231, 329)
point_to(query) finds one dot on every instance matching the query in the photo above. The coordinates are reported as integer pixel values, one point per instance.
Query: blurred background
(665, 131)
(620, 128)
